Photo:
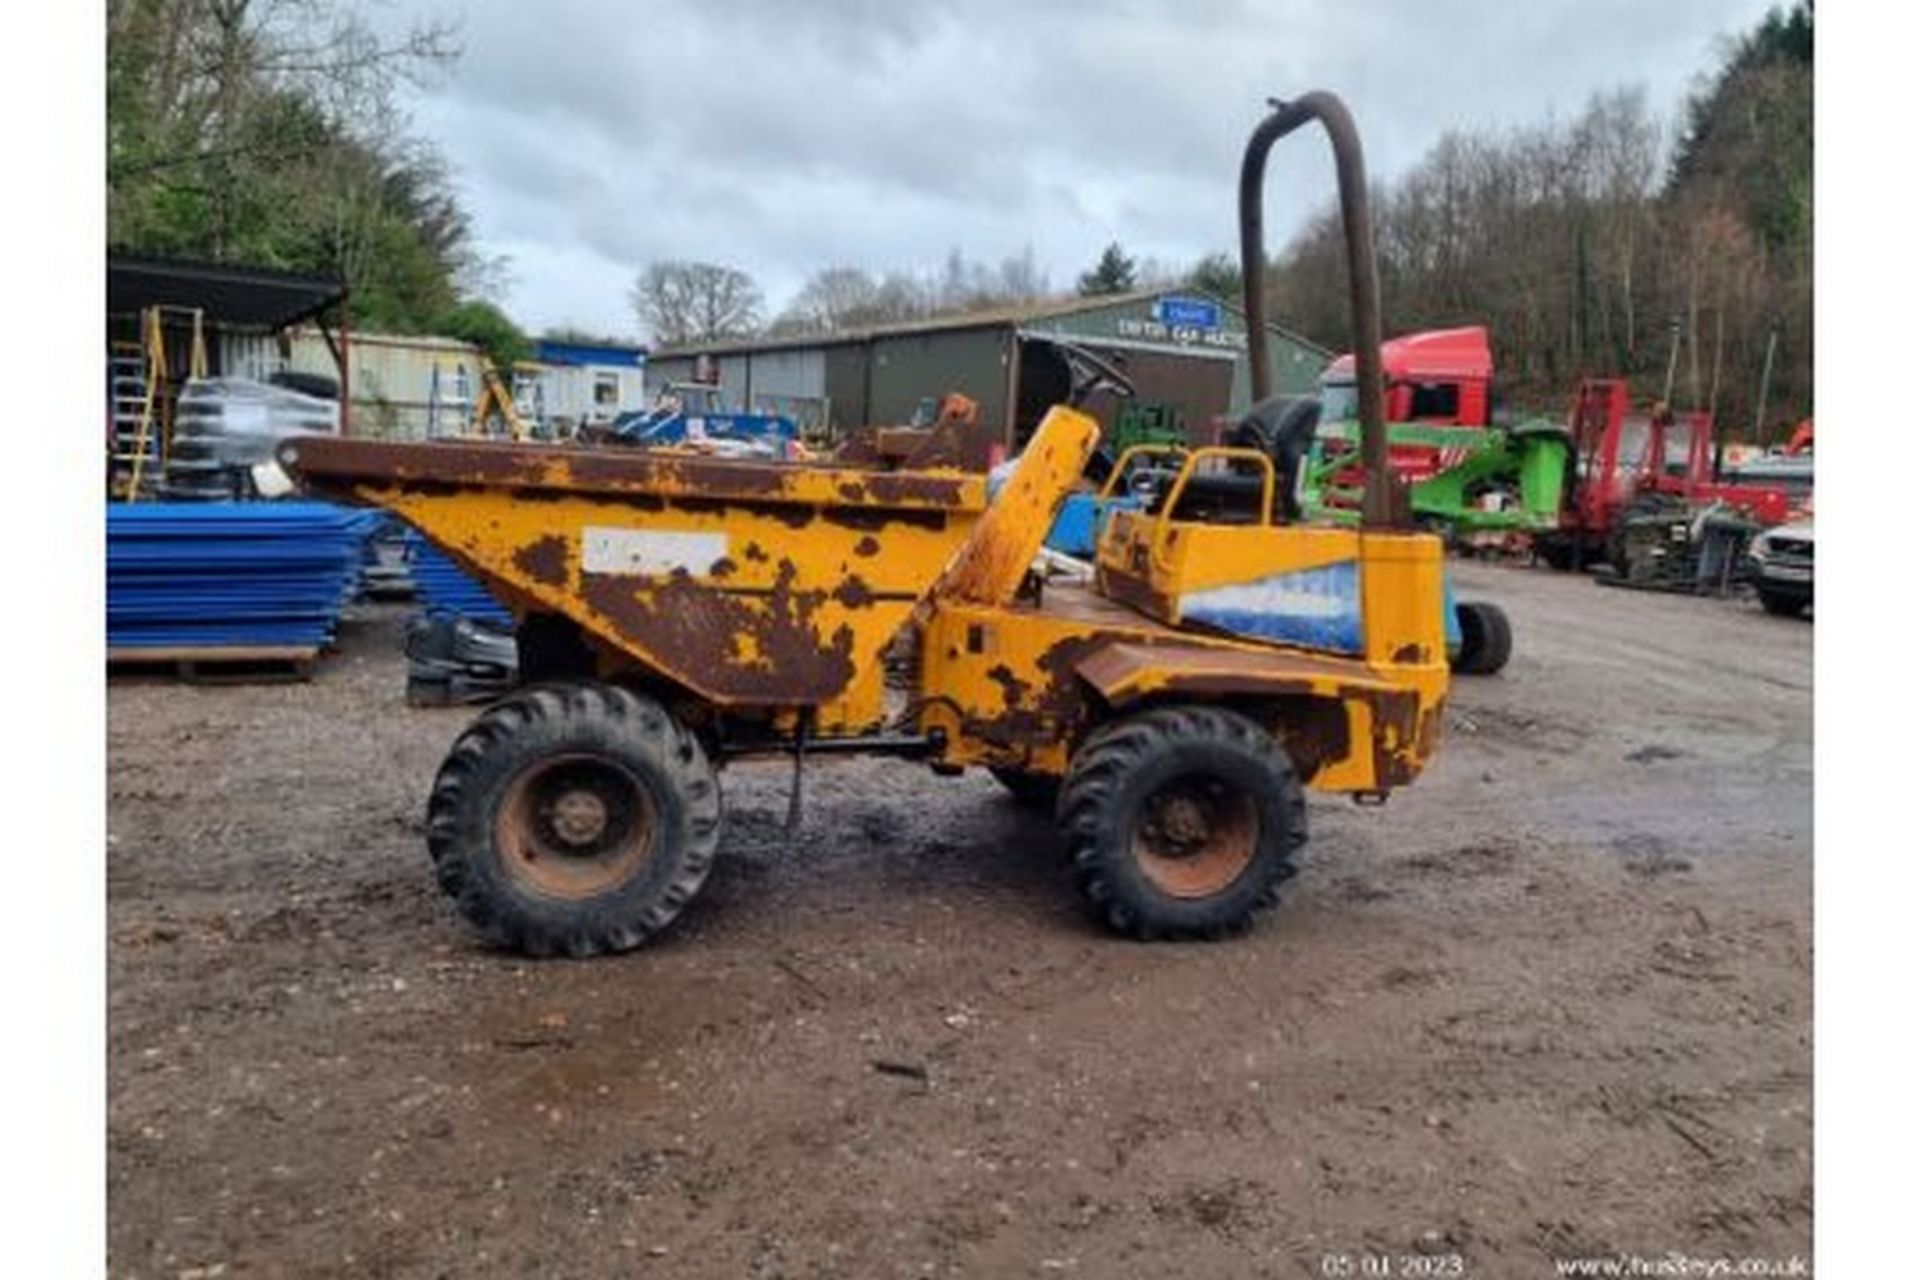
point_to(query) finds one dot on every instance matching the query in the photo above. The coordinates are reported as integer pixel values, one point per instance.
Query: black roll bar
(1378, 509)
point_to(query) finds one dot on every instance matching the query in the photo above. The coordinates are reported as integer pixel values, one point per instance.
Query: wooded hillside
(1590, 245)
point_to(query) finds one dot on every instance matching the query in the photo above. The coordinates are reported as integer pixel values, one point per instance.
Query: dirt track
(1553, 1001)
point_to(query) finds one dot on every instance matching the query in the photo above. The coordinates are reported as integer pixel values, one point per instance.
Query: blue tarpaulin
(230, 574)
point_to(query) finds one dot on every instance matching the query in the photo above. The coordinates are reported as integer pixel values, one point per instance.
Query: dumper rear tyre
(1182, 822)
(573, 819)
(1486, 639)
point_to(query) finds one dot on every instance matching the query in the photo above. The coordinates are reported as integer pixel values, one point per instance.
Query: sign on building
(1188, 313)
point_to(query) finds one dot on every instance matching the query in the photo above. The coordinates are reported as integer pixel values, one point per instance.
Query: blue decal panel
(1318, 608)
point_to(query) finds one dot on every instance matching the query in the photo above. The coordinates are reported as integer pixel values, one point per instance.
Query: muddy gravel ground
(1552, 1001)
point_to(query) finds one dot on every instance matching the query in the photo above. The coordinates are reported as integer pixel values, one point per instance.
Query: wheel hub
(575, 825)
(1182, 821)
(579, 817)
(1195, 835)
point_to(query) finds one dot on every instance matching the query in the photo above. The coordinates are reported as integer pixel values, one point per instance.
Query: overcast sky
(780, 136)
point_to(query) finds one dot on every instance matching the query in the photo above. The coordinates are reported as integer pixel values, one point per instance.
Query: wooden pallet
(217, 664)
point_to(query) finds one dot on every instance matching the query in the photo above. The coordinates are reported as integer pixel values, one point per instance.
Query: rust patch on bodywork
(1012, 688)
(854, 592)
(1030, 714)
(891, 487)
(1064, 695)
(1402, 734)
(1313, 731)
(1126, 670)
(952, 443)
(859, 448)
(545, 561)
(879, 519)
(1135, 593)
(1396, 728)
(787, 660)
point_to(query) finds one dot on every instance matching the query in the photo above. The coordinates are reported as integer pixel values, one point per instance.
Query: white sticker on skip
(649, 551)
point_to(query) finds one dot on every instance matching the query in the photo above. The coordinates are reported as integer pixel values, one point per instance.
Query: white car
(1783, 567)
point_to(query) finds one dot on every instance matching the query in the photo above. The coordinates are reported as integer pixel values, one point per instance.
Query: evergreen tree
(1114, 273)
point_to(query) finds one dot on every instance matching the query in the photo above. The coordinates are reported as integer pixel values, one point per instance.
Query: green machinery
(1466, 479)
(1148, 422)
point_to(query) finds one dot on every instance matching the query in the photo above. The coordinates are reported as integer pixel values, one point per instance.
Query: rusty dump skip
(751, 584)
(327, 464)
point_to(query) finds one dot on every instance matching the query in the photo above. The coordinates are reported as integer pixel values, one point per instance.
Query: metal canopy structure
(233, 296)
(230, 297)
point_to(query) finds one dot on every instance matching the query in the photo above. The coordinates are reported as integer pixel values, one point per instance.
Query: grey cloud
(781, 136)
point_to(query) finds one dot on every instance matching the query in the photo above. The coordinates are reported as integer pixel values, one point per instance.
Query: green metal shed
(1183, 349)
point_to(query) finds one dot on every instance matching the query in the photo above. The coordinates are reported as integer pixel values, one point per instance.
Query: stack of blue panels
(443, 587)
(230, 574)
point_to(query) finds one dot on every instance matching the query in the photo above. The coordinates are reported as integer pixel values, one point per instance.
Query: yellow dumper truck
(678, 611)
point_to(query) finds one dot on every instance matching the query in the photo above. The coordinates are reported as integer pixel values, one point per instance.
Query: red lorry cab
(1439, 377)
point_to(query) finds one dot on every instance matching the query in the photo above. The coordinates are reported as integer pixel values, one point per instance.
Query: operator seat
(1281, 427)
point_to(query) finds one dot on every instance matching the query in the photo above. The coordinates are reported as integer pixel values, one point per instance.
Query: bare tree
(1627, 143)
(1537, 233)
(1020, 278)
(1724, 276)
(840, 298)
(904, 296)
(1156, 273)
(832, 299)
(1568, 237)
(681, 302)
(953, 289)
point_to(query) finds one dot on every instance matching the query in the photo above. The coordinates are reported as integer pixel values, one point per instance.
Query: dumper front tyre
(573, 819)
(1182, 822)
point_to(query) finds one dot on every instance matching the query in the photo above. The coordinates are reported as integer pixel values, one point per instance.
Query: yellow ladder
(155, 405)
